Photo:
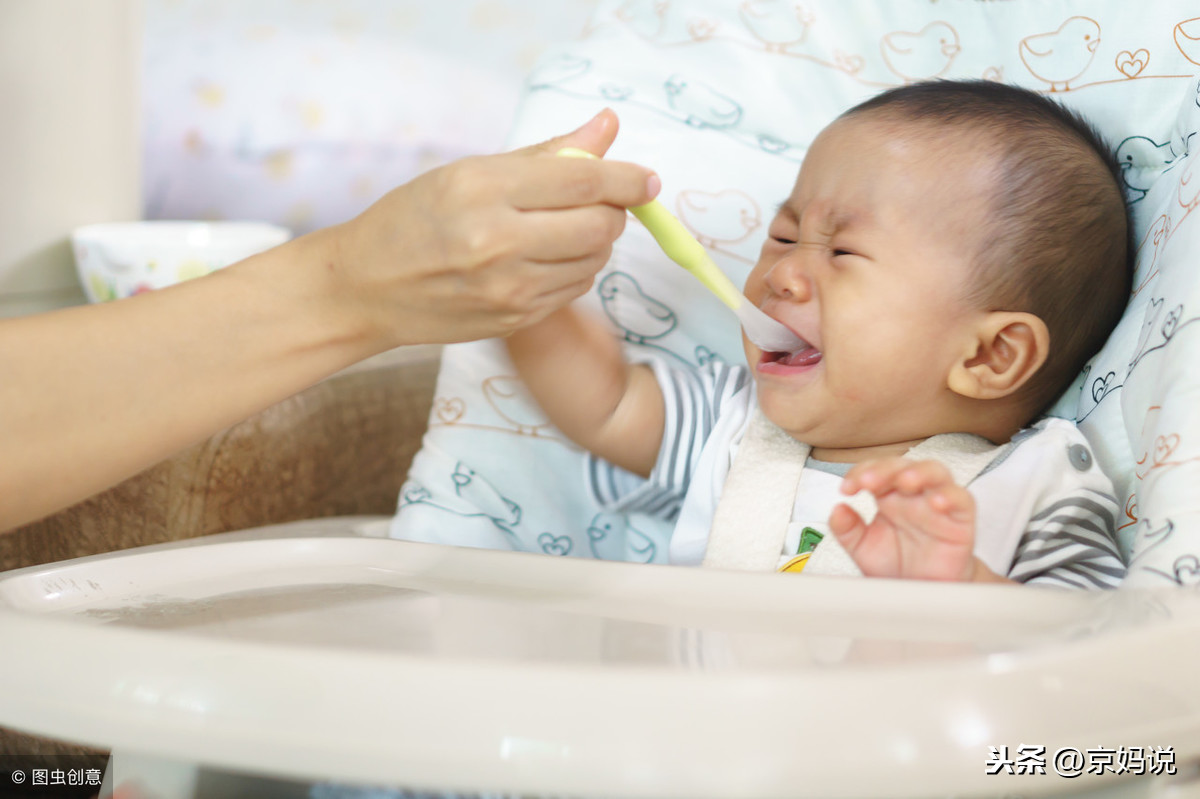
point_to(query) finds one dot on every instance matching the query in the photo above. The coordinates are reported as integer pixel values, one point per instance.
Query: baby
(936, 254)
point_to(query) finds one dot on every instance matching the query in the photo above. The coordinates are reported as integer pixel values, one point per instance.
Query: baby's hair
(1058, 241)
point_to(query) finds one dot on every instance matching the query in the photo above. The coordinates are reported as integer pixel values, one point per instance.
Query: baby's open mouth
(806, 355)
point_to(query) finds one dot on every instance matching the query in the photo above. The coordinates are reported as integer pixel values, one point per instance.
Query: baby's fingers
(952, 501)
(876, 476)
(896, 474)
(847, 526)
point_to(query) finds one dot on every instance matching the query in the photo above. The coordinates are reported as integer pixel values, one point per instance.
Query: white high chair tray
(318, 650)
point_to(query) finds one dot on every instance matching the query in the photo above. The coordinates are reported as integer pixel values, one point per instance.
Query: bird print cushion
(723, 99)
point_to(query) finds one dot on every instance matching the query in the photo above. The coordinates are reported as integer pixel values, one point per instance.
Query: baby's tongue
(801, 357)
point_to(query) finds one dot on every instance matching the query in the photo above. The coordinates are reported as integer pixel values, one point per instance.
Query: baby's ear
(1007, 349)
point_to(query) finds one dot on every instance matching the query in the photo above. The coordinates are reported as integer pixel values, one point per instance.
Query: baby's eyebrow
(843, 219)
(836, 220)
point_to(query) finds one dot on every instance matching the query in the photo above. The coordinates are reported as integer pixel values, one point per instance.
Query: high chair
(328, 658)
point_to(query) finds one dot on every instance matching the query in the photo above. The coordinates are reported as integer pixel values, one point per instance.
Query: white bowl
(119, 259)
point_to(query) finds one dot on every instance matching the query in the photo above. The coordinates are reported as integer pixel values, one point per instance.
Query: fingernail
(593, 120)
(653, 186)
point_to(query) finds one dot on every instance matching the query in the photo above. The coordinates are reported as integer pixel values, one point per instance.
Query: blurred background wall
(70, 122)
(299, 112)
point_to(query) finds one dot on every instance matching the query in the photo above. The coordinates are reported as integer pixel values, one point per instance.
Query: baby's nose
(789, 279)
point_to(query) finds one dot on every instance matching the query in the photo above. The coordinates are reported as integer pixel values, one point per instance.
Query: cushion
(723, 100)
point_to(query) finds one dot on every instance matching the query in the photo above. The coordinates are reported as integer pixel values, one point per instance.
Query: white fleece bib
(759, 498)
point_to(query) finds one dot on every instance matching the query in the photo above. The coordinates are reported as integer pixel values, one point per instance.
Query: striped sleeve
(1071, 543)
(693, 400)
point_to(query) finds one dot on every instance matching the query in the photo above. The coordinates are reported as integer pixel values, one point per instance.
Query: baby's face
(869, 260)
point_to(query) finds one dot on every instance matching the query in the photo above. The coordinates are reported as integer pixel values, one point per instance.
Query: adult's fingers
(567, 234)
(560, 285)
(562, 281)
(595, 136)
(569, 182)
(557, 182)
(550, 301)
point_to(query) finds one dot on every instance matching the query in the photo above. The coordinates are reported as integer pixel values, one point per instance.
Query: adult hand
(93, 394)
(488, 244)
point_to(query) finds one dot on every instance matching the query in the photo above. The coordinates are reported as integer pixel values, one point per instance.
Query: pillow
(1138, 397)
(723, 100)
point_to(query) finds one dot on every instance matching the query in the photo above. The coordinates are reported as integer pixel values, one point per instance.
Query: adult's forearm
(94, 394)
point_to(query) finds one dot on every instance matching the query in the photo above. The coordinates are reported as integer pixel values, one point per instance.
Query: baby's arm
(574, 367)
(925, 527)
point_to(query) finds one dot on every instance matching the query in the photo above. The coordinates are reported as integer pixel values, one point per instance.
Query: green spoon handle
(682, 248)
(678, 243)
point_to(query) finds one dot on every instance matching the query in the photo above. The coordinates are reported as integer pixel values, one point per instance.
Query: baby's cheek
(849, 395)
(752, 352)
(850, 387)
(755, 287)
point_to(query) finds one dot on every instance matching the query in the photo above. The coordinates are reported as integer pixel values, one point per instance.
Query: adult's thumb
(595, 136)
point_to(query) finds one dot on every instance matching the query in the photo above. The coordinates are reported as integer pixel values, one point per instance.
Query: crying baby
(932, 257)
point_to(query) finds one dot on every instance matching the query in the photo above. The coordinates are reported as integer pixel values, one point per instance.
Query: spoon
(682, 248)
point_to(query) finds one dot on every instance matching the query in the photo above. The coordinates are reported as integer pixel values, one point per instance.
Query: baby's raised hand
(925, 527)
